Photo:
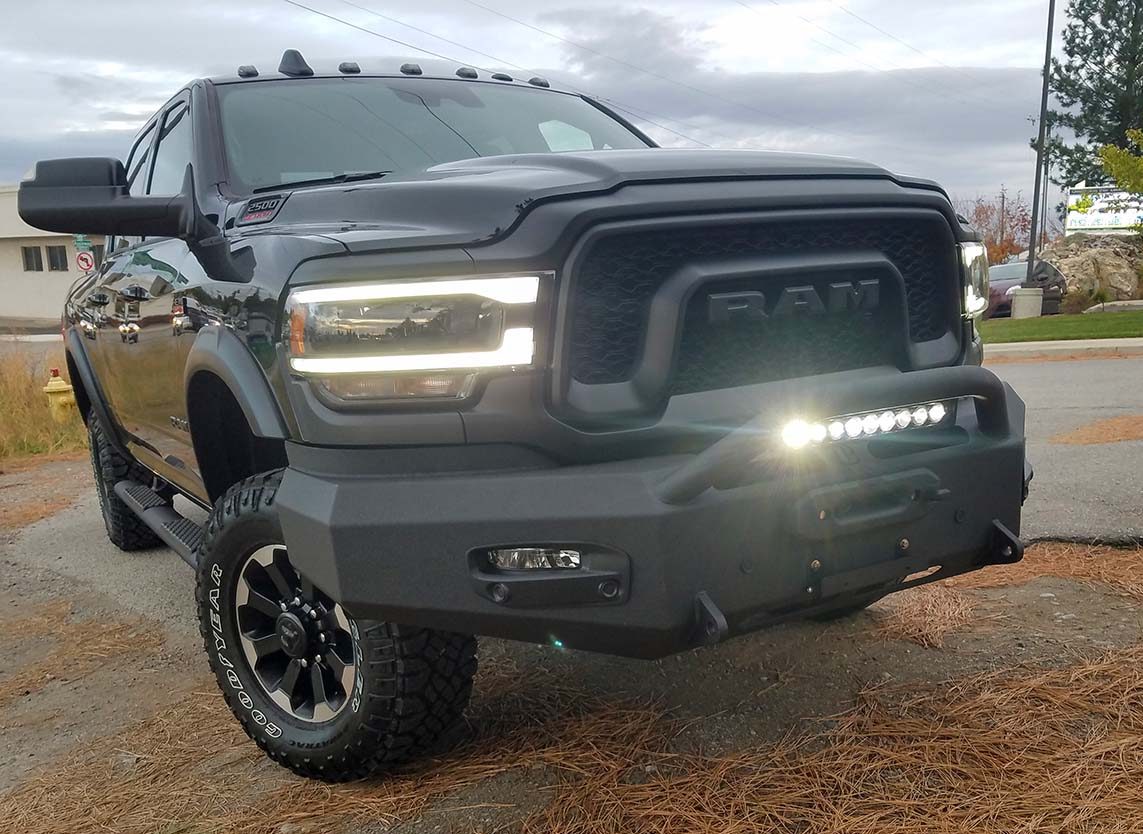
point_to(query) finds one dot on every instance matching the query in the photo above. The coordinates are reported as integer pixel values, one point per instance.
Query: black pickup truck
(458, 354)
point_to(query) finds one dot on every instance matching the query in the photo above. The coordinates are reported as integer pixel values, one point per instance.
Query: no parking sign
(85, 261)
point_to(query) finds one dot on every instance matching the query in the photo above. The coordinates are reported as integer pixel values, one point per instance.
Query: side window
(136, 176)
(137, 162)
(173, 153)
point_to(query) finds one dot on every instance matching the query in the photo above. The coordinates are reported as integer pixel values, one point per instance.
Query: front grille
(619, 275)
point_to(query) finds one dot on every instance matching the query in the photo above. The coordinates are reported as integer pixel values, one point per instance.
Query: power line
(506, 63)
(906, 44)
(903, 80)
(416, 48)
(665, 78)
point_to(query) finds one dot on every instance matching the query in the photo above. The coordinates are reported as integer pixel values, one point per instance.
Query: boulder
(1092, 262)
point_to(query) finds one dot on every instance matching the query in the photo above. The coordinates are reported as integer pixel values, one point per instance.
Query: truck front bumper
(680, 550)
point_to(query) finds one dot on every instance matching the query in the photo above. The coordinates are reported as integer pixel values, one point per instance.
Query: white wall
(30, 295)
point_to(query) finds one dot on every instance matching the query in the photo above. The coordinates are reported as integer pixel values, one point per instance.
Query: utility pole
(1041, 144)
(1001, 236)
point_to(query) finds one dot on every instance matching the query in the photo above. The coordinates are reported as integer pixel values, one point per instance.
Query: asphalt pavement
(1091, 491)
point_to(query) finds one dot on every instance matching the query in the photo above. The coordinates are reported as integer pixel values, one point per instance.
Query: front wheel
(326, 695)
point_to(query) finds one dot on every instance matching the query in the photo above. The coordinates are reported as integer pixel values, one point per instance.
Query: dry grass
(924, 615)
(1118, 568)
(929, 613)
(1046, 752)
(191, 769)
(79, 647)
(1111, 430)
(26, 425)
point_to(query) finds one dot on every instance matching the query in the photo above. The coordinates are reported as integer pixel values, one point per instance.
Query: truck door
(154, 408)
(102, 311)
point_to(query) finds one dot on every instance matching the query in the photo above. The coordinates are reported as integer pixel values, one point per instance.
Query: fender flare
(218, 351)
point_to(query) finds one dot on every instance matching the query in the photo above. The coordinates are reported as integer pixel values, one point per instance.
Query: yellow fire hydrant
(61, 397)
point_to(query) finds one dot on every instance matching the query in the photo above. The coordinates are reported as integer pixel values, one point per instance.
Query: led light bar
(516, 348)
(798, 434)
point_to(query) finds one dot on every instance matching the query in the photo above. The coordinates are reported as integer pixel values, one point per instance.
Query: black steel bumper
(678, 550)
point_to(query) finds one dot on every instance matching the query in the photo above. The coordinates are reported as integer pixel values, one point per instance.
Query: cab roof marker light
(516, 348)
(520, 289)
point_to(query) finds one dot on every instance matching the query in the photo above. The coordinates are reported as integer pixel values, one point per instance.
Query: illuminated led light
(886, 421)
(519, 289)
(853, 427)
(904, 418)
(516, 348)
(870, 423)
(837, 430)
(920, 415)
(818, 432)
(796, 434)
(937, 412)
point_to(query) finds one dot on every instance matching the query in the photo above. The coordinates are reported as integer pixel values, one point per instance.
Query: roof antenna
(294, 64)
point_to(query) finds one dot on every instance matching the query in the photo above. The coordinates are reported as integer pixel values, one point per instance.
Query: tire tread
(420, 679)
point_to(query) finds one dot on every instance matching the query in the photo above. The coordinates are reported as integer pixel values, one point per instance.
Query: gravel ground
(746, 692)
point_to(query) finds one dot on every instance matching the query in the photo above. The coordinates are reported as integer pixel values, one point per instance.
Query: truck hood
(477, 200)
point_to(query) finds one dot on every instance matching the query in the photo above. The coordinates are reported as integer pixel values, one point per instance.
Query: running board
(178, 532)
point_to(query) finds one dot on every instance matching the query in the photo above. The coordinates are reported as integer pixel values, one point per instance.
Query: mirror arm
(207, 241)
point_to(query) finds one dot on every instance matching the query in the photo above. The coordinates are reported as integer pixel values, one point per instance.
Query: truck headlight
(974, 268)
(412, 339)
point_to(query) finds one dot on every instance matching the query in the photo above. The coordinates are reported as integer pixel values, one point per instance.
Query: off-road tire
(412, 684)
(125, 529)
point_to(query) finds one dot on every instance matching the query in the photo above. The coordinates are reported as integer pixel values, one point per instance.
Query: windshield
(282, 132)
(1004, 272)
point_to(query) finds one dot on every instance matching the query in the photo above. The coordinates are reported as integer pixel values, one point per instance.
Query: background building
(36, 269)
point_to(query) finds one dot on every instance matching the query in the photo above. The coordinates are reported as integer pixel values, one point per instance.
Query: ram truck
(445, 354)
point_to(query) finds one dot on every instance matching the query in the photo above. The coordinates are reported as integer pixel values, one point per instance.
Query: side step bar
(178, 532)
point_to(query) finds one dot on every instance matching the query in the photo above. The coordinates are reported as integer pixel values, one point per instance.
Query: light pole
(1041, 142)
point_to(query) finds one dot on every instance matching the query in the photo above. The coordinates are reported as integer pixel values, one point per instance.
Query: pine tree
(1099, 85)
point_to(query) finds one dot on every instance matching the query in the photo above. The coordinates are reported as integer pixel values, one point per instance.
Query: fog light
(937, 412)
(534, 558)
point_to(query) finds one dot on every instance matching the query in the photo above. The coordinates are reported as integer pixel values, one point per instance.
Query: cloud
(948, 100)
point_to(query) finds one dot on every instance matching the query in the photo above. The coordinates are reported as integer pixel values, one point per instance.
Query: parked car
(1004, 278)
(455, 354)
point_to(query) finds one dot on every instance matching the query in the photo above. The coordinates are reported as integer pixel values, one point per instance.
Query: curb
(1068, 347)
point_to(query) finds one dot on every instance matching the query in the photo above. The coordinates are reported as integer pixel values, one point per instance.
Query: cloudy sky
(926, 87)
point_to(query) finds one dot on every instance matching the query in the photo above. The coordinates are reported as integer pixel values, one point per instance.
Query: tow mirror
(88, 195)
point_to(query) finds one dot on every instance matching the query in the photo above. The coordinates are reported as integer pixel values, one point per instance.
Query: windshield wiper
(337, 178)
